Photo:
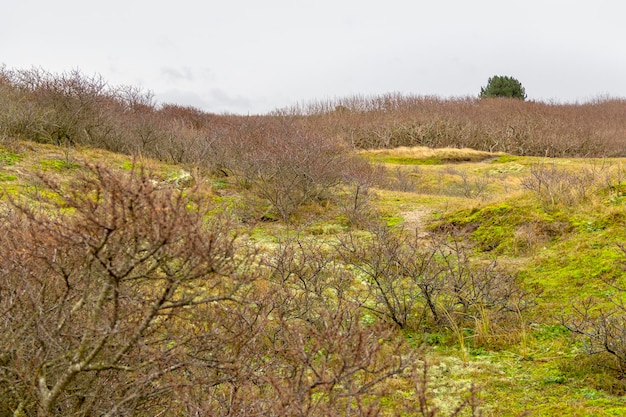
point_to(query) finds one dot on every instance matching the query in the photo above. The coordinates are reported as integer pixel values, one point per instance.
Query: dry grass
(428, 156)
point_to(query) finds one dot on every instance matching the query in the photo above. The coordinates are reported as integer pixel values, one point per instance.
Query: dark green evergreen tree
(503, 86)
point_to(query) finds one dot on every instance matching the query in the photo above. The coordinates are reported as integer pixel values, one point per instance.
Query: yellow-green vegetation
(7, 177)
(391, 255)
(8, 158)
(422, 155)
(565, 247)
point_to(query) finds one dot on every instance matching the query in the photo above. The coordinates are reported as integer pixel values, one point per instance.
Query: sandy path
(416, 220)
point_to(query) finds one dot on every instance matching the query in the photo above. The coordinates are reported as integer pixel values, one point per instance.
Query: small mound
(421, 155)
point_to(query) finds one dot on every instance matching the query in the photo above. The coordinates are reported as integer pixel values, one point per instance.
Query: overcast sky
(253, 56)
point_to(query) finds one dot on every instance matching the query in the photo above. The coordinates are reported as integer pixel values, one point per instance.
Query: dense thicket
(72, 108)
(593, 129)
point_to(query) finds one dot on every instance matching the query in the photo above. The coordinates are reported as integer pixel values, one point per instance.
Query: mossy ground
(569, 251)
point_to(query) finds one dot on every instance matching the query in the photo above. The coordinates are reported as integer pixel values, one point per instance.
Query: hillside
(161, 260)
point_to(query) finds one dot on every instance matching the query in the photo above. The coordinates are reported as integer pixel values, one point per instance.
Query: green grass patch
(393, 220)
(7, 177)
(128, 165)
(220, 184)
(503, 159)
(575, 268)
(503, 228)
(9, 158)
(408, 161)
(420, 155)
(58, 165)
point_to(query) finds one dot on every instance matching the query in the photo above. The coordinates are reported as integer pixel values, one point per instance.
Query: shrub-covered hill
(134, 286)
(159, 260)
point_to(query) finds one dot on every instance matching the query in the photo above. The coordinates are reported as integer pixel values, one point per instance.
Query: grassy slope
(565, 249)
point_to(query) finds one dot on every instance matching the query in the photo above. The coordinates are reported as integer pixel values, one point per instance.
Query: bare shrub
(414, 283)
(356, 203)
(529, 236)
(495, 125)
(401, 281)
(355, 198)
(67, 109)
(72, 108)
(119, 297)
(602, 329)
(286, 166)
(145, 133)
(470, 186)
(555, 185)
(478, 295)
(95, 281)
(299, 346)
(335, 362)
(400, 179)
(600, 322)
(333, 365)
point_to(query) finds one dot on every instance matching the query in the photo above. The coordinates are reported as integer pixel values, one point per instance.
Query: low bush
(419, 284)
(557, 186)
(284, 165)
(98, 276)
(600, 322)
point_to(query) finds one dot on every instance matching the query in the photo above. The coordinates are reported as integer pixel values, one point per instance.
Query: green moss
(220, 184)
(128, 165)
(494, 227)
(58, 164)
(503, 159)
(433, 161)
(7, 177)
(573, 269)
(12, 189)
(393, 220)
(9, 158)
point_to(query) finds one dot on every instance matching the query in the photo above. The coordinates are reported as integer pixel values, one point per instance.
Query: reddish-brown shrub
(96, 281)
